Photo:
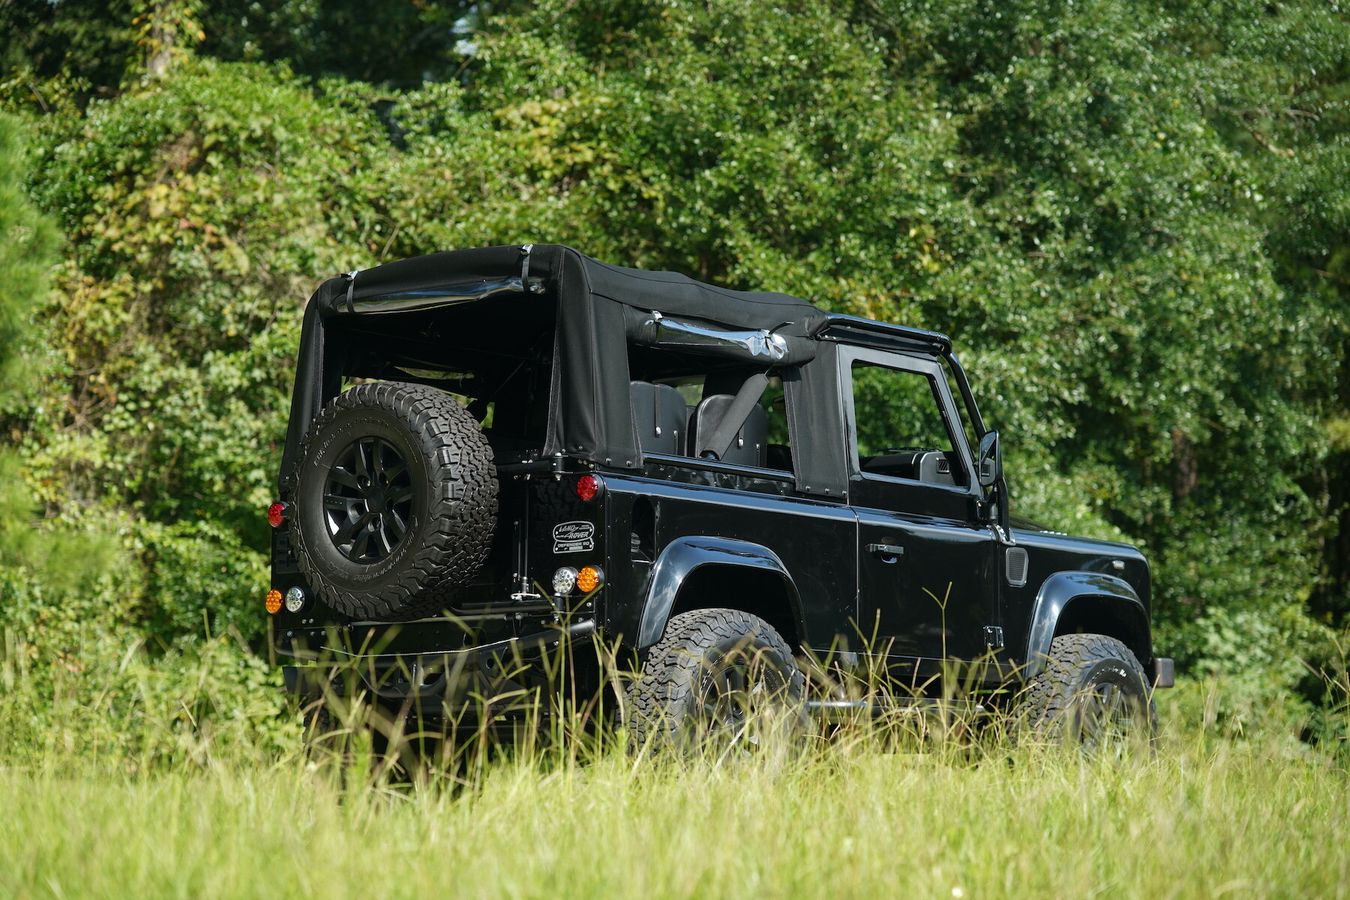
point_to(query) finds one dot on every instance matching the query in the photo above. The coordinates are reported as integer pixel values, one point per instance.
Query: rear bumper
(438, 682)
(1164, 672)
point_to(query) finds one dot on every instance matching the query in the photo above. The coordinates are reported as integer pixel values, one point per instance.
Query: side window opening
(774, 402)
(658, 377)
(900, 431)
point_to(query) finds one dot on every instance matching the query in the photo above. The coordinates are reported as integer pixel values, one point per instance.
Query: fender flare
(682, 557)
(1064, 588)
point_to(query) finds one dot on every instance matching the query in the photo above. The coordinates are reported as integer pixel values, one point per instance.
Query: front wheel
(718, 675)
(1092, 692)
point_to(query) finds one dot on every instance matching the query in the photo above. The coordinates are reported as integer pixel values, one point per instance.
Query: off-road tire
(1062, 704)
(453, 508)
(665, 704)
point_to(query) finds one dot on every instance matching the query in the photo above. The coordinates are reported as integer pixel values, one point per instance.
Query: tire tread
(1047, 700)
(657, 700)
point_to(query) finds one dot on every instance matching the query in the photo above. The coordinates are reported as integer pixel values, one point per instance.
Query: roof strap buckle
(351, 289)
(525, 285)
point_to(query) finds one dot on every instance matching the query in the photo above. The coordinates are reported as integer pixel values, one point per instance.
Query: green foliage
(179, 308)
(730, 143)
(151, 443)
(401, 43)
(121, 707)
(165, 32)
(54, 579)
(91, 42)
(28, 244)
(97, 46)
(202, 581)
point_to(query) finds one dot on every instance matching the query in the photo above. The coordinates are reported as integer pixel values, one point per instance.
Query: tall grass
(889, 806)
(1198, 818)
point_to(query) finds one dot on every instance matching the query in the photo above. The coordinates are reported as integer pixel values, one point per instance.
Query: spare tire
(395, 501)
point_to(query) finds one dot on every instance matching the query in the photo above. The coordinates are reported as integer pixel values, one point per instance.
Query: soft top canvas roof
(440, 279)
(601, 309)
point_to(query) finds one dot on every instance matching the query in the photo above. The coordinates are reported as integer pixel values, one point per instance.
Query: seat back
(661, 417)
(750, 447)
(935, 468)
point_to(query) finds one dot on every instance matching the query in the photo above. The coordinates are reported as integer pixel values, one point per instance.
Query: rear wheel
(1092, 692)
(718, 675)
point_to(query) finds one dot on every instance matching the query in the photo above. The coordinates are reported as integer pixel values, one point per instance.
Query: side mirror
(989, 461)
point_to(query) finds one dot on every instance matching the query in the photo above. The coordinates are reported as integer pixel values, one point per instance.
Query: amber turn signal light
(590, 578)
(273, 602)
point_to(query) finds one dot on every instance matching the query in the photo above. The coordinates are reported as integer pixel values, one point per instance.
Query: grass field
(1202, 817)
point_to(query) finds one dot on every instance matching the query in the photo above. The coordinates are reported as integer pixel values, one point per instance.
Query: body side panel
(811, 545)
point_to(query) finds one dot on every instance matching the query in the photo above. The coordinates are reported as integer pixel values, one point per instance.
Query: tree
(28, 244)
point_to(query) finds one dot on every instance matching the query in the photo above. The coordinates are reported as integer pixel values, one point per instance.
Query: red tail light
(588, 486)
(277, 512)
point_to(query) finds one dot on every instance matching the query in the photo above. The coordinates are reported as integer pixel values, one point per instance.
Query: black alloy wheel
(734, 692)
(1105, 712)
(368, 499)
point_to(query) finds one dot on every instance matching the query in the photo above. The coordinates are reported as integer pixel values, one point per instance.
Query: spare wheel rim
(368, 500)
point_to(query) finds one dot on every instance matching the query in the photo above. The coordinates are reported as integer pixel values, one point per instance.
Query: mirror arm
(1000, 491)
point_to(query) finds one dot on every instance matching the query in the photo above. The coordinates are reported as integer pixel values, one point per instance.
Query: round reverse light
(588, 486)
(276, 513)
(590, 578)
(273, 602)
(295, 599)
(564, 581)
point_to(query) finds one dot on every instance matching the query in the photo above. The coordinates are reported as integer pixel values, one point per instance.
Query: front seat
(750, 446)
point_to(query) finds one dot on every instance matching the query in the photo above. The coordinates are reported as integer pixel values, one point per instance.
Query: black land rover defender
(502, 453)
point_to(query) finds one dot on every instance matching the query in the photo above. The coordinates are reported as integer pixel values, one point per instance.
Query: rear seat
(661, 417)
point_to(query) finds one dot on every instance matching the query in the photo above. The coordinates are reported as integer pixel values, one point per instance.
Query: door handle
(888, 552)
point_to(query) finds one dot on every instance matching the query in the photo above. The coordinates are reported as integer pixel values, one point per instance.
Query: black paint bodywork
(841, 561)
